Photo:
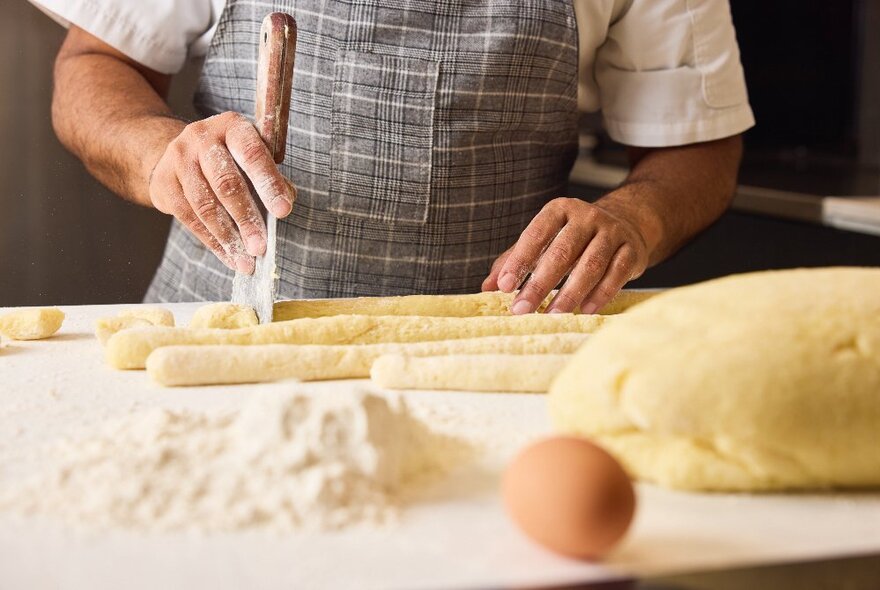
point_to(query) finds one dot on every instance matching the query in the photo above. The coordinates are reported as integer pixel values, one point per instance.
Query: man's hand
(201, 179)
(111, 112)
(670, 195)
(599, 250)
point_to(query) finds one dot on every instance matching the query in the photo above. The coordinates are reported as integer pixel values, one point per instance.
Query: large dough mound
(760, 381)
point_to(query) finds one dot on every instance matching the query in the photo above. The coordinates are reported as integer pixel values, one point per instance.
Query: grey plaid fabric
(424, 135)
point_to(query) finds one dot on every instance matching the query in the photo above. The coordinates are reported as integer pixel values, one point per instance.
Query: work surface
(456, 536)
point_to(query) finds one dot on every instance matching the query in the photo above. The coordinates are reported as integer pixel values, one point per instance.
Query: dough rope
(495, 303)
(529, 373)
(129, 349)
(214, 365)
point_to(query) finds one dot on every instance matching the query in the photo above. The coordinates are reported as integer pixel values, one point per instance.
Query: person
(429, 142)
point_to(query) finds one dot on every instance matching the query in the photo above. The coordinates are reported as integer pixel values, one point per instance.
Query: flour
(285, 461)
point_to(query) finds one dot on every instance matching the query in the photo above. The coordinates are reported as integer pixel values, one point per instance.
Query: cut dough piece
(493, 303)
(133, 317)
(530, 373)
(33, 323)
(761, 381)
(157, 316)
(224, 316)
(129, 349)
(213, 365)
(106, 327)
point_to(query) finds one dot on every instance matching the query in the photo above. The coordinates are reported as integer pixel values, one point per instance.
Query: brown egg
(570, 496)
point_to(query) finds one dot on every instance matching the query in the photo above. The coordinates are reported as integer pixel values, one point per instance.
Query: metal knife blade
(277, 48)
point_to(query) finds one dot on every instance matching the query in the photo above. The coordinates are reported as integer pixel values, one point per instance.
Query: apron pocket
(382, 136)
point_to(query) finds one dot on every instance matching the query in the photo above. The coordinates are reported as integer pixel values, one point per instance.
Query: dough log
(32, 323)
(494, 303)
(213, 365)
(530, 373)
(129, 349)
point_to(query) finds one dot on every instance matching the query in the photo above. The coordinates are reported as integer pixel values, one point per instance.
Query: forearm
(107, 112)
(674, 193)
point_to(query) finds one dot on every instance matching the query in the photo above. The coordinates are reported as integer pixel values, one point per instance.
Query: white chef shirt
(663, 72)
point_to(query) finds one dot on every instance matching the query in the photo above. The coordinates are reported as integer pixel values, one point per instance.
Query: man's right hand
(201, 179)
(111, 112)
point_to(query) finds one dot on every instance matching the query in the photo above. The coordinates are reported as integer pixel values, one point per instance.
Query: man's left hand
(598, 248)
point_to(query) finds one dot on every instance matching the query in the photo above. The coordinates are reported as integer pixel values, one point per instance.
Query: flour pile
(284, 461)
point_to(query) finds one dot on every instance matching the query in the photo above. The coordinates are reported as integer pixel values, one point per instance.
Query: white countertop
(458, 536)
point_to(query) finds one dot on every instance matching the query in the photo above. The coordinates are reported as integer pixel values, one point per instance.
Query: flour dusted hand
(31, 324)
(599, 248)
(202, 180)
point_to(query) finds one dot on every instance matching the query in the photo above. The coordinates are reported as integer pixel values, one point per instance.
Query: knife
(277, 47)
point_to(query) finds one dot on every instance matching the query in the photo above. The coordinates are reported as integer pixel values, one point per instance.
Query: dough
(106, 327)
(531, 373)
(133, 317)
(624, 300)
(761, 381)
(226, 316)
(129, 349)
(157, 316)
(204, 365)
(478, 304)
(33, 323)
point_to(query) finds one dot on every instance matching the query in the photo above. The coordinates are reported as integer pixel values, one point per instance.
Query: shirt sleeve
(160, 34)
(669, 73)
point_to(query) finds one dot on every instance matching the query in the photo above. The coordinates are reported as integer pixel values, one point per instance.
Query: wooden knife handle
(274, 80)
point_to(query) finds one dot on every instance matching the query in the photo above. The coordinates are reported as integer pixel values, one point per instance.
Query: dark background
(812, 69)
(808, 90)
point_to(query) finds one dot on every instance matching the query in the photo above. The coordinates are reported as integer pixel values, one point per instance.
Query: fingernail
(554, 310)
(589, 308)
(281, 207)
(507, 282)
(521, 307)
(245, 265)
(256, 246)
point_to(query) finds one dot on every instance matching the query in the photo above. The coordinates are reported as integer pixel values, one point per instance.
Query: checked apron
(424, 136)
